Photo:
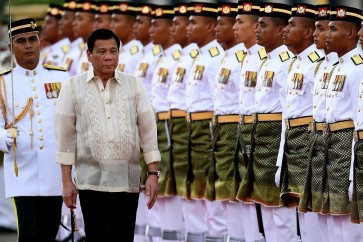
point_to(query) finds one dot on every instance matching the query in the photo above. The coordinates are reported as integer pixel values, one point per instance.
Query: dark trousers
(109, 216)
(38, 218)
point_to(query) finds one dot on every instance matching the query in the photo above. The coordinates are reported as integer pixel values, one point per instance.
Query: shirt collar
(187, 49)
(234, 49)
(211, 44)
(254, 49)
(348, 55)
(91, 76)
(171, 49)
(305, 53)
(276, 52)
(26, 72)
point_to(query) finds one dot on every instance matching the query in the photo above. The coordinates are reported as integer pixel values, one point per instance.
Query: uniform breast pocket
(338, 97)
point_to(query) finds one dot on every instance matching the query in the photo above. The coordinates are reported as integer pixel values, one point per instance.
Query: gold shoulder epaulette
(213, 51)
(4, 72)
(156, 49)
(51, 67)
(240, 55)
(314, 56)
(357, 59)
(176, 54)
(194, 53)
(284, 56)
(134, 49)
(262, 53)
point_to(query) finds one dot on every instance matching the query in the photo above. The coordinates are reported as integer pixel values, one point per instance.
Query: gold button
(41, 147)
(37, 105)
(39, 121)
(41, 138)
(27, 73)
(35, 96)
(34, 89)
(17, 105)
(33, 81)
(296, 92)
(38, 113)
(40, 129)
(327, 109)
(314, 106)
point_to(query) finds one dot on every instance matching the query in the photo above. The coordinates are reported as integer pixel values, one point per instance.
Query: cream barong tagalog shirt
(101, 129)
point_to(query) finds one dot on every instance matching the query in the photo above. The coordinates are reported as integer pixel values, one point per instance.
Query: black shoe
(4, 230)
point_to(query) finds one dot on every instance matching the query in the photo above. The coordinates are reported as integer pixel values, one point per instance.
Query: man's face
(336, 35)
(159, 31)
(360, 34)
(196, 29)
(321, 28)
(141, 27)
(294, 32)
(178, 29)
(244, 28)
(102, 21)
(104, 57)
(224, 29)
(50, 30)
(65, 23)
(266, 32)
(121, 25)
(26, 49)
(83, 24)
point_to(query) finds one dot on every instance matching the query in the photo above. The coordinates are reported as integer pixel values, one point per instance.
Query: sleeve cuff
(152, 156)
(65, 158)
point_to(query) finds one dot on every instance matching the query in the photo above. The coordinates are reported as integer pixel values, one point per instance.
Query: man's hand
(9, 139)
(70, 194)
(151, 190)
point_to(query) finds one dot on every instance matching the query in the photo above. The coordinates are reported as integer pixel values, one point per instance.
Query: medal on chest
(198, 72)
(223, 75)
(250, 79)
(297, 80)
(163, 74)
(141, 72)
(179, 75)
(338, 83)
(268, 78)
(52, 89)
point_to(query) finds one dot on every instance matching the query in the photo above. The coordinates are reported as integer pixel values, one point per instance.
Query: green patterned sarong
(357, 198)
(224, 144)
(164, 164)
(312, 196)
(265, 148)
(338, 148)
(179, 153)
(294, 165)
(244, 149)
(200, 157)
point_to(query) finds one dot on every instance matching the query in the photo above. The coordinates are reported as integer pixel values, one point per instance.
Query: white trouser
(141, 216)
(342, 230)
(309, 227)
(323, 224)
(7, 216)
(154, 217)
(216, 218)
(195, 216)
(279, 224)
(172, 216)
(242, 221)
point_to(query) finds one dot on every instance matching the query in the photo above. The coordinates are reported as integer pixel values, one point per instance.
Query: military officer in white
(103, 15)
(312, 195)
(168, 205)
(298, 37)
(279, 222)
(201, 215)
(341, 111)
(123, 19)
(32, 178)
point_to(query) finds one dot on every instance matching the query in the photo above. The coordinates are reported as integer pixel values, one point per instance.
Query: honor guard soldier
(176, 98)
(298, 37)
(220, 185)
(71, 59)
(28, 99)
(356, 168)
(123, 18)
(144, 71)
(168, 206)
(251, 57)
(312, 195)
(103, 16)
(59, 45)
(202, 216)
(341, 110)
(83, 27)
(276, 221)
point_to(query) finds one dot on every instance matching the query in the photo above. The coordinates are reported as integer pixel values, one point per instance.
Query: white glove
(350, 191)
(277, 177)
(9, 140)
